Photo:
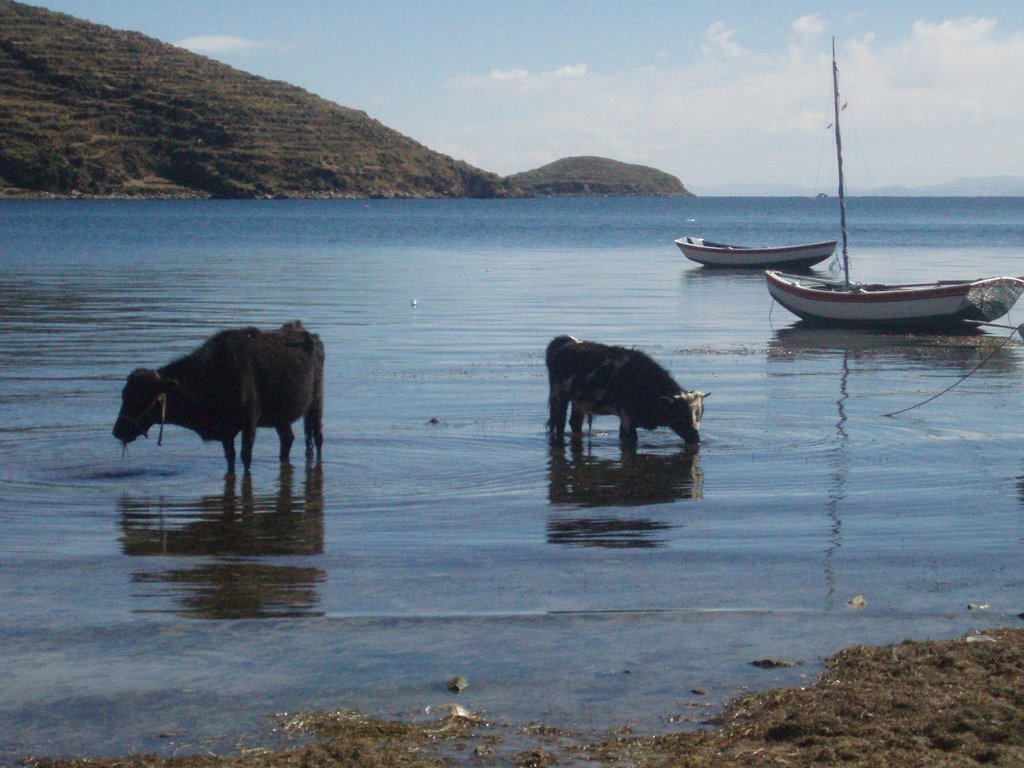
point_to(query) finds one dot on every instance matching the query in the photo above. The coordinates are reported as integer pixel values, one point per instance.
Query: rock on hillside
(597, 176)
(85, 109)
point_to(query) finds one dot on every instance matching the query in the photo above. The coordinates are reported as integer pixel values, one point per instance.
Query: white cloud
(807, 28)
(718, 40)
(956, 33)
(516, 81)
(218, 44)
(510, 74)
(576, 70)
(523, 75)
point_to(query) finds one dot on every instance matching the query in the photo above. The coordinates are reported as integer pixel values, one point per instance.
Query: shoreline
(949, 702)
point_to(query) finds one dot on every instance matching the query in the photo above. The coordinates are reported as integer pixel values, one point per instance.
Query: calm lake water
(150, 602)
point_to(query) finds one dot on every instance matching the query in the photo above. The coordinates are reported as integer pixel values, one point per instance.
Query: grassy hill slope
(91, 110)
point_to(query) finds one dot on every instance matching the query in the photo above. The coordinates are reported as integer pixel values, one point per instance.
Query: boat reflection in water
(957, 353)
(229, 546)
(584, 481)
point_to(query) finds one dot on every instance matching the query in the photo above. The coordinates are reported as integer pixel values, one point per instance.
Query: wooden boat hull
(742, 257)
(941, 305)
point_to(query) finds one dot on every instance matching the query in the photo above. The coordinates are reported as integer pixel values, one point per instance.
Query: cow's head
(683, 412)
(143, 404)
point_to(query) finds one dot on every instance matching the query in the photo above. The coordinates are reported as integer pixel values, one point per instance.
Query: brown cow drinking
(238, 380)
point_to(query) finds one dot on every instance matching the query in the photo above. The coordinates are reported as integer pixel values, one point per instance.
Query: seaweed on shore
(951, 703)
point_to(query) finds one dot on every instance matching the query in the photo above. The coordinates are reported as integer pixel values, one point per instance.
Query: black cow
(599, 379)
(238, 380)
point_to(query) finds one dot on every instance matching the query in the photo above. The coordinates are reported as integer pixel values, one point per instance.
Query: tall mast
(839, 160)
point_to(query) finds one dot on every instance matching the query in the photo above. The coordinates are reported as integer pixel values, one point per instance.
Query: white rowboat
(747, 257)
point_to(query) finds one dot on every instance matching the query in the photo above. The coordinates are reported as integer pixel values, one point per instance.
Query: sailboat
(942, 305)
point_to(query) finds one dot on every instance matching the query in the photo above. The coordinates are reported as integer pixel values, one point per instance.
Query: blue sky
(717, 93)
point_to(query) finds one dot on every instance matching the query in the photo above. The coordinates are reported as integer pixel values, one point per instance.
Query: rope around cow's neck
(160, 399)
(1018, 329)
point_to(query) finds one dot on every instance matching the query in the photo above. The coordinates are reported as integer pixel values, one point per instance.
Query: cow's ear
(665, 405)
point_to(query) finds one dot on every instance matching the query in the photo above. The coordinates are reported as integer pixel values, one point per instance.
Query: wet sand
(951, 703)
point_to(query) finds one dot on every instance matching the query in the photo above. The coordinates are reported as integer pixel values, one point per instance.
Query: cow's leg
(313, 425)
(558, 404)
(250, 420)
(248, 438)
(229, 454)
(576, 420)
(287, 437)
(627, 427)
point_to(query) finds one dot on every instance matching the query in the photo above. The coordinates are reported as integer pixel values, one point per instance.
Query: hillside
(85, 109)
(597, 176)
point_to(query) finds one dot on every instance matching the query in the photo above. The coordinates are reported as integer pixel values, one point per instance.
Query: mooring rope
(1015, 329)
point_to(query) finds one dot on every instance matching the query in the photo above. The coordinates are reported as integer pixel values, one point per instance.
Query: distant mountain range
(982, 186)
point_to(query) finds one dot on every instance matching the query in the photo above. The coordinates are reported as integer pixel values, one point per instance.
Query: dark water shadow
(225, 542)
(582, 480)
(959, 352)
(126, 473)
(1020, 489)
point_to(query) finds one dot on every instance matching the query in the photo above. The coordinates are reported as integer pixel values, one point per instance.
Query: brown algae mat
(937, 703)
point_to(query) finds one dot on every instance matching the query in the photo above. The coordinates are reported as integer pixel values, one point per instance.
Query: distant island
(89, 111)
(597, 176)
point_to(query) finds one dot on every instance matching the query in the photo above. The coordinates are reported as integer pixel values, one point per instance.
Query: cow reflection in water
(583, 480)
(229, 536)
